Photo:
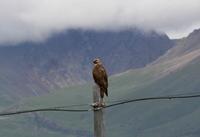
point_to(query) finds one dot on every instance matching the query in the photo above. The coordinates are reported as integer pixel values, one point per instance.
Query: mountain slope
(65, 59)
(166, 118)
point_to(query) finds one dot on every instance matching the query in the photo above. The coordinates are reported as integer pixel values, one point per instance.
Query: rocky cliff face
(65, 59)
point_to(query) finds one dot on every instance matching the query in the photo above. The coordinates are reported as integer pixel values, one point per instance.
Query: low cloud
(36, 20)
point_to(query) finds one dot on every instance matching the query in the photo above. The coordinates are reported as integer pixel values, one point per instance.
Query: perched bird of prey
(100, 78)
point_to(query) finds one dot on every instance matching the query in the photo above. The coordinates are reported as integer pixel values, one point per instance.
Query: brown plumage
(100, 77)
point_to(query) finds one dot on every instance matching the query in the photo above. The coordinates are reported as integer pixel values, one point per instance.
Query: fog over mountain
(37, 20)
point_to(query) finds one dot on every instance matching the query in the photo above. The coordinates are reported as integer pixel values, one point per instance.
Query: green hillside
(168, 118)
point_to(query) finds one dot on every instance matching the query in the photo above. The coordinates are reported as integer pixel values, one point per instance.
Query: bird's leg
(100, 100)
(102, 103)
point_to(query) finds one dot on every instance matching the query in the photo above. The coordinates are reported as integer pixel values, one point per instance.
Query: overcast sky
(35, 20)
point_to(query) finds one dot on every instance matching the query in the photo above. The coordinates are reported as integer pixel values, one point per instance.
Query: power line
(153, 98)
(61, 108)
(42, 109)
(134, 100)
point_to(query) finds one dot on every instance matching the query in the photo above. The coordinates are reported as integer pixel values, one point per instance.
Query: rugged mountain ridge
(183, 46)
(65, 58)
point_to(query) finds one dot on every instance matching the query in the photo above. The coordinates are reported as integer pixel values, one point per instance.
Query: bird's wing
(104, 77)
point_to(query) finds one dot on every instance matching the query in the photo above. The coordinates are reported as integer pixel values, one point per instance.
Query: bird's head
(96, 61)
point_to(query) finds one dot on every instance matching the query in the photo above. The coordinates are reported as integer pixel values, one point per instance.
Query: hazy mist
(35, 20)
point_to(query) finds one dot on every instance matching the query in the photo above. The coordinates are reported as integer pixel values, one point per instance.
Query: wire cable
(43, 109)
(92, 109)
(153, 98)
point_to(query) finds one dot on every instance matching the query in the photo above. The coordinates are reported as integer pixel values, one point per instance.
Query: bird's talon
(96, 104)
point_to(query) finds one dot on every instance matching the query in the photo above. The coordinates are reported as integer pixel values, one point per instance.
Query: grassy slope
(151, 118)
